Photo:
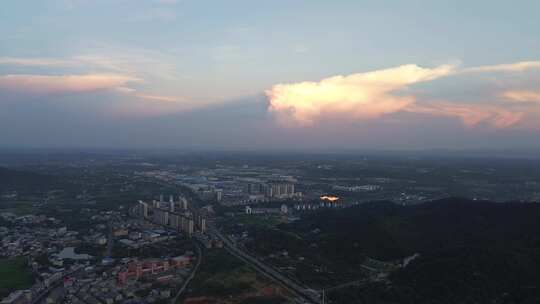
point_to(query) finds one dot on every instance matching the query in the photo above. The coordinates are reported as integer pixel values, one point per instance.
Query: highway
(309, 296)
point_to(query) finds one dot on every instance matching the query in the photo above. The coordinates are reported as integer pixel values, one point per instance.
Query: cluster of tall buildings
(278, 190)
(209, 194)
(362, 188)
(174, 213)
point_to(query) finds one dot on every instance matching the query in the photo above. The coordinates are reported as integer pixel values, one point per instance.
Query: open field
(14, 274)
(222, 276)
(17, 207)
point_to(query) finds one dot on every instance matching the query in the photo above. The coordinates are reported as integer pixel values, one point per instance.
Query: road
(345, 285)
(191, 276)
(309, 296)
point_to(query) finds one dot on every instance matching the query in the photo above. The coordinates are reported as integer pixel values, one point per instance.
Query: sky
(270, 75)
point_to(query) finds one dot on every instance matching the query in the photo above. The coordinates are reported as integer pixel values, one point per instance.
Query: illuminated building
(329, 198)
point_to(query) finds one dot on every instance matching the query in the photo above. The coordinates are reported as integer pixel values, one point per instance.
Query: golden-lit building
(329, 198)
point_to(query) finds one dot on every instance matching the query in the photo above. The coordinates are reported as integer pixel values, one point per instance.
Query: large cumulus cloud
(372, 95)
(362, 96)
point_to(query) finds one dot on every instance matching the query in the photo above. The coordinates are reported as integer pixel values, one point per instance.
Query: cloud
(45, 84)
(35, 61)
(522, 96)
(120, 100)
(371, 95)
(107, 60)
(128, 73)
(125, 90)
(509, 67)
(358, 96)
(152, 97)
(472, 115)
(158, 97)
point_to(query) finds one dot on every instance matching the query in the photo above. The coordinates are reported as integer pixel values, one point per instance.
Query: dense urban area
(126, 227)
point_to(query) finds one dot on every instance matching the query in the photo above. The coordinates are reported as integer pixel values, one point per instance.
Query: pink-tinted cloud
(472, 115)
(126, 74)
(526, 96)
(371, 95)
(158, 97)
(358, 96)
(131, 101)
(45, 84)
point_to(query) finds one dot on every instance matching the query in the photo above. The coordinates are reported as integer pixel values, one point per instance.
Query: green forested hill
(471, 251)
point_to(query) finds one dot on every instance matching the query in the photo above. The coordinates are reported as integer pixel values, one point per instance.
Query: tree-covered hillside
(470, 251)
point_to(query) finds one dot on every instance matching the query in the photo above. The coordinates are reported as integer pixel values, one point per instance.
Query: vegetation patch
(14, 274)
